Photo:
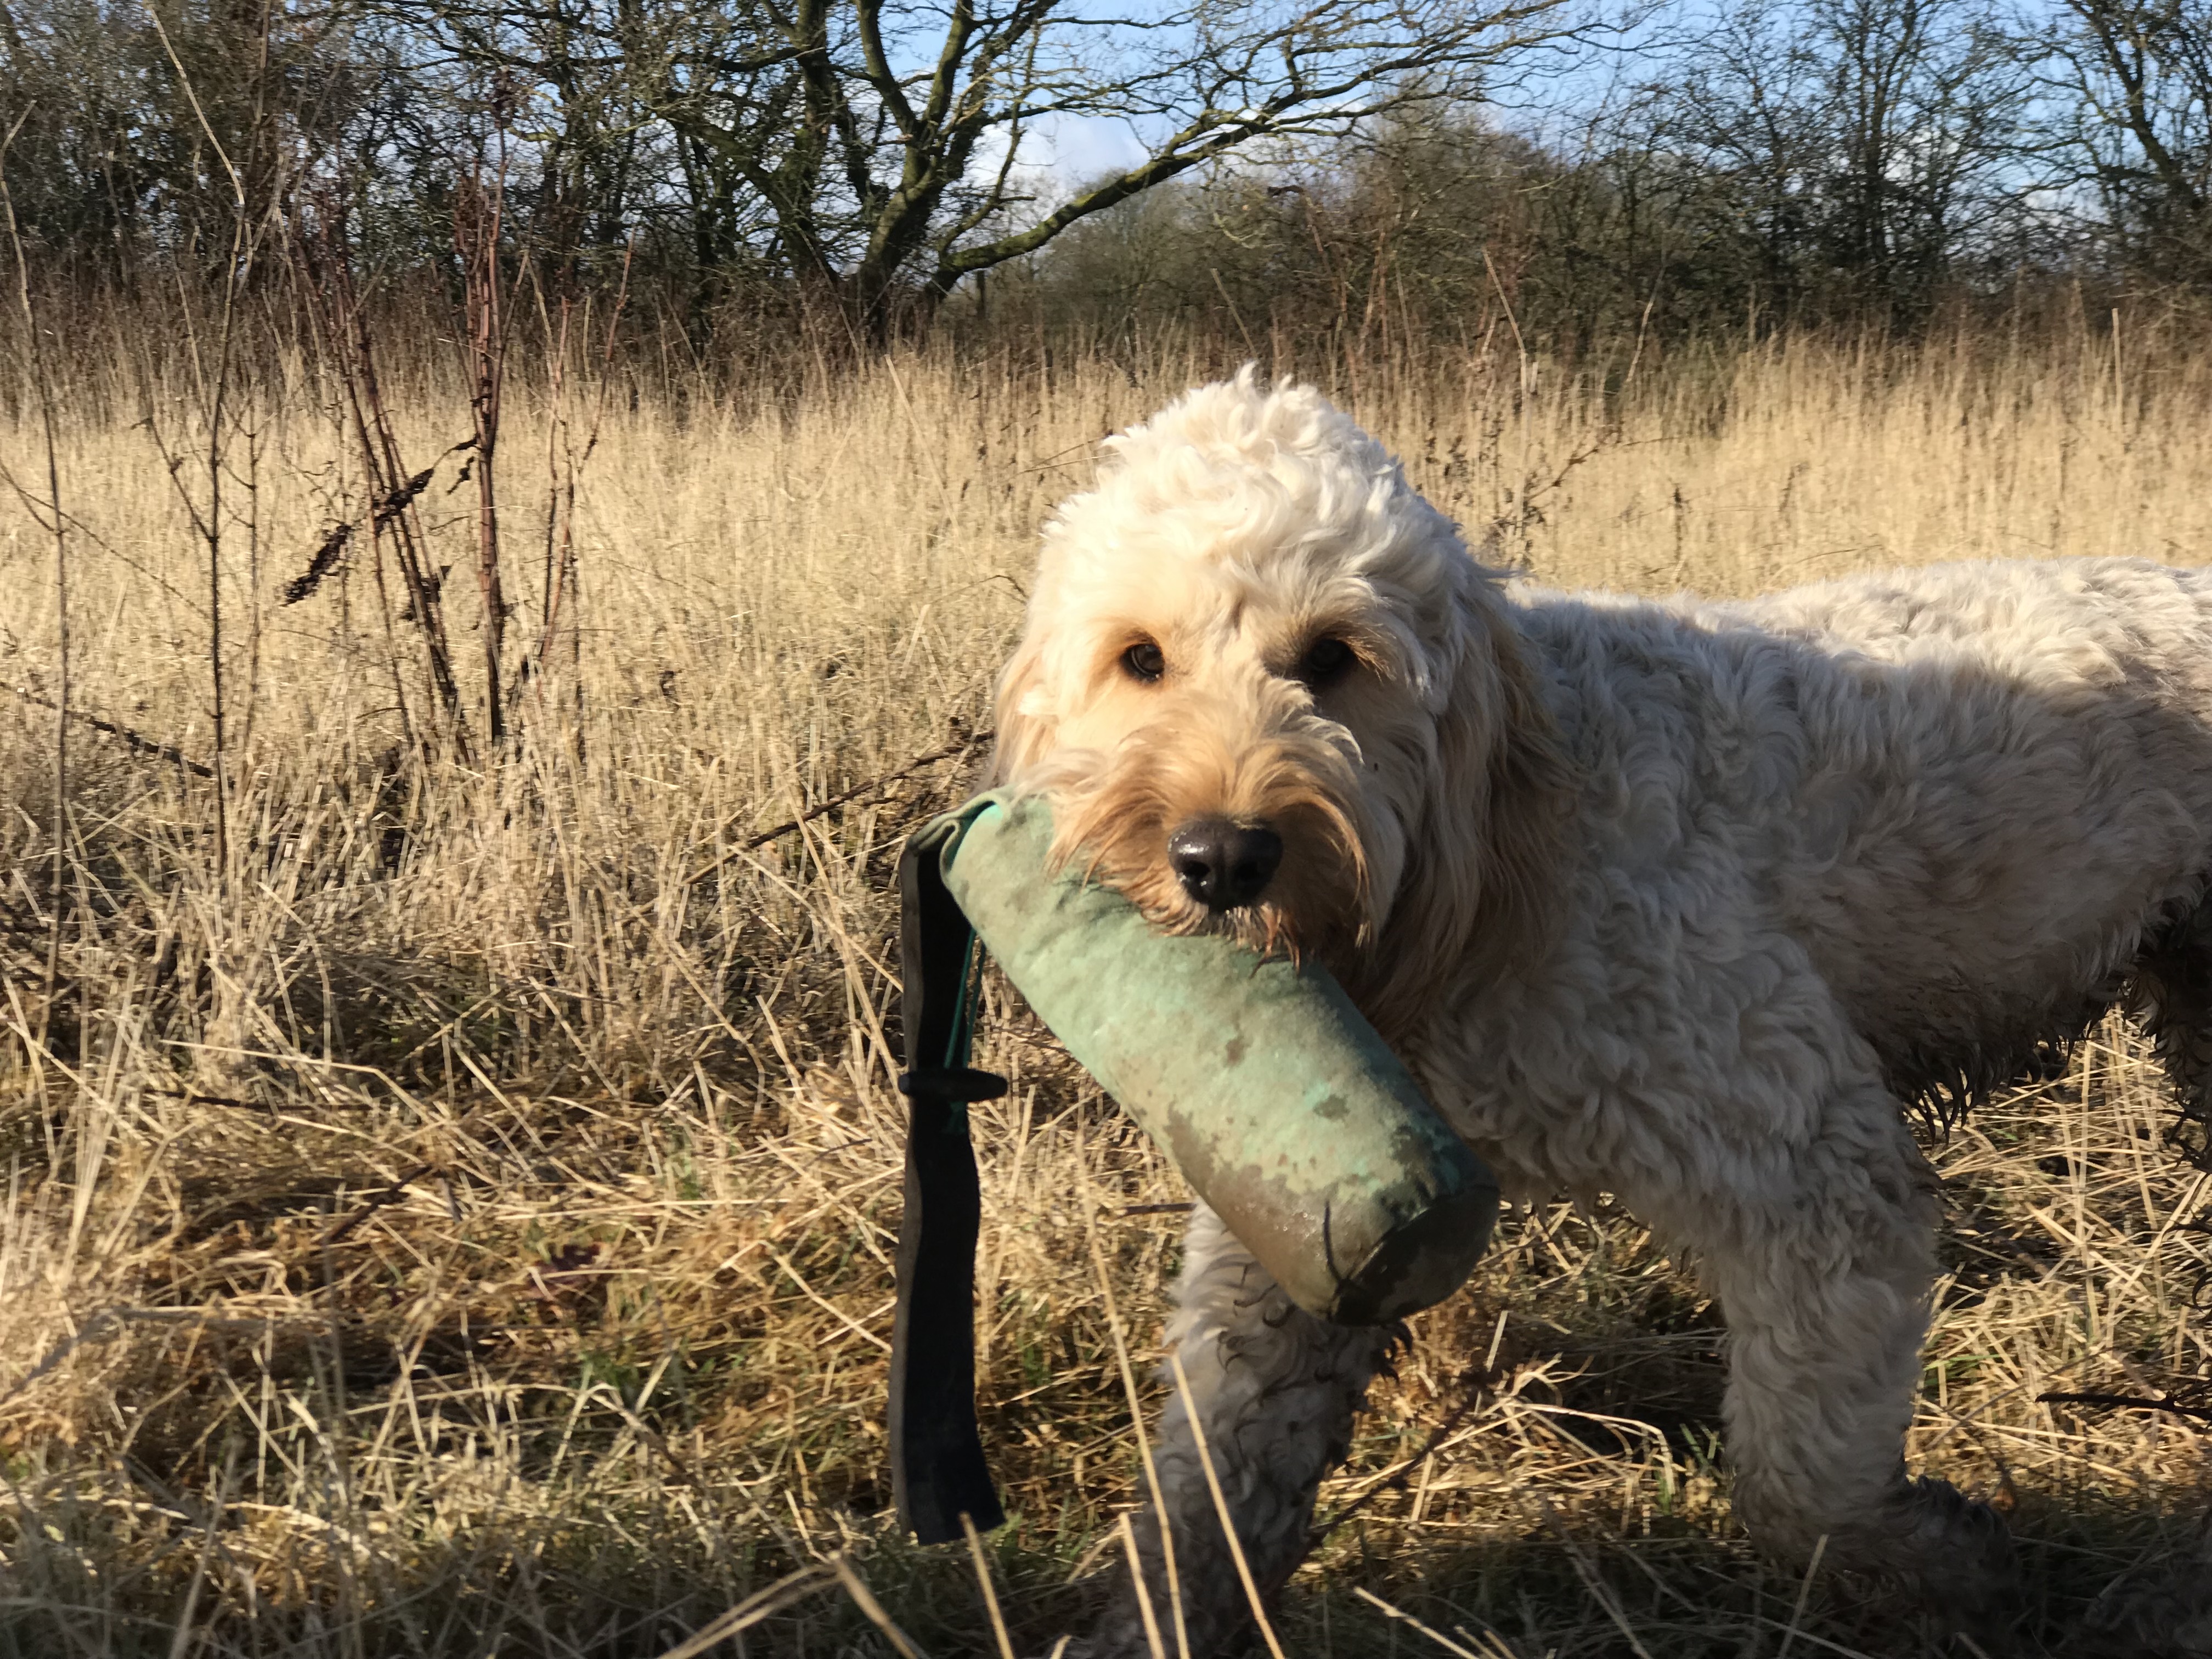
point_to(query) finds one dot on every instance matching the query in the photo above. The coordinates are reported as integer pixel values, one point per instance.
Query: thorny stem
(480, 224)
(560, 575)
(58, 525)
(341, 317)
(218, 402)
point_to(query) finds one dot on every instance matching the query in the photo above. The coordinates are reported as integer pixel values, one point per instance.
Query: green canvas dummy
(1272, 1096)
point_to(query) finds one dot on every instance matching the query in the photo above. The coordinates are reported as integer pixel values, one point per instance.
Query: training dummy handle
(938, 1470)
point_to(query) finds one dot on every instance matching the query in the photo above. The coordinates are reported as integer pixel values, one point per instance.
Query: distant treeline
(744, 171)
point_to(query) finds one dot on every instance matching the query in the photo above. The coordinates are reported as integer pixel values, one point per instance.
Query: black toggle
(961, 1083)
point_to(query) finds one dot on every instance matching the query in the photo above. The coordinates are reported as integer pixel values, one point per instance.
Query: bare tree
(1926, 95)
(2133, 79)
(1750, 110)
(1870, 145)
(875, 147)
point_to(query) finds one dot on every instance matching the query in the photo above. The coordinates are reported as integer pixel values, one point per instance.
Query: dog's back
(1975, 793)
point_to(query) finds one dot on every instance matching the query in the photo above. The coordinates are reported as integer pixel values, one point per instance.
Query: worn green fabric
(1274, 1097)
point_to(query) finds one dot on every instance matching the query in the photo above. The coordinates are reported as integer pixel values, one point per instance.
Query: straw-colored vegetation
(456, 1219)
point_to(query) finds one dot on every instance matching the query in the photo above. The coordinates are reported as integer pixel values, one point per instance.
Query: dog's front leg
(1276, 1389)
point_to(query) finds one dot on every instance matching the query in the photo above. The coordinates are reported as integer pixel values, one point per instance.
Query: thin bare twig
(1252, 1595)
(1585, 1571)
(1403, 1617)
(479, 229)
(2129, 1401)
(865, 1598)
(1804, 1595)
(215, 406)
(387, 507)
(966, 745)
(792, 1587)
(341, 318)
(1473, 1381)
(376, 1201)
(990, 1590)
(1127, 1534)
(1175, 1619)
(59, 525)
(130, 739)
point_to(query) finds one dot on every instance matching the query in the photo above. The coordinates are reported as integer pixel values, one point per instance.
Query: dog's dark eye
(1142, 661)
(1325, 661)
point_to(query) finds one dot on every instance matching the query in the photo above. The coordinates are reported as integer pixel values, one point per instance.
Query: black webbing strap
(937, 1471)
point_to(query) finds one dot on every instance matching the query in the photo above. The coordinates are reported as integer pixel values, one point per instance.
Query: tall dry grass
(457, 1220)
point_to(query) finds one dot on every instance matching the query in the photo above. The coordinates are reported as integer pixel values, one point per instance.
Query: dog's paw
(1953, 1552)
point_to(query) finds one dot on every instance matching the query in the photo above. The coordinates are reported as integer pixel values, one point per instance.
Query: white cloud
(1060, 154)
(1077, 149)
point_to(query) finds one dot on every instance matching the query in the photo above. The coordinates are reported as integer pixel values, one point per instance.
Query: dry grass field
(448, 1214)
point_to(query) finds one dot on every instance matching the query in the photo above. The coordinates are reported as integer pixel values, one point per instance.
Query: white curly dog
(1674, 900)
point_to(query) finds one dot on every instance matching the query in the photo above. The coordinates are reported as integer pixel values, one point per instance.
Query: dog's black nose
(1224, 865)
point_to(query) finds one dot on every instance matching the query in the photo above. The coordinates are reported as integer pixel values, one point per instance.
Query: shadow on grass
(113, 1563)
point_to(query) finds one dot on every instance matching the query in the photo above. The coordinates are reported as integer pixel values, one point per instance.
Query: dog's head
(1268, 693)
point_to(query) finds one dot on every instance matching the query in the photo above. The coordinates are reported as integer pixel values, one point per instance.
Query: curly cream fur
(1678, 902)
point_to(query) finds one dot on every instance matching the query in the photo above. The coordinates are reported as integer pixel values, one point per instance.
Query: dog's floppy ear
(1482, 858)
(1023, 736)
(1531, 787)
